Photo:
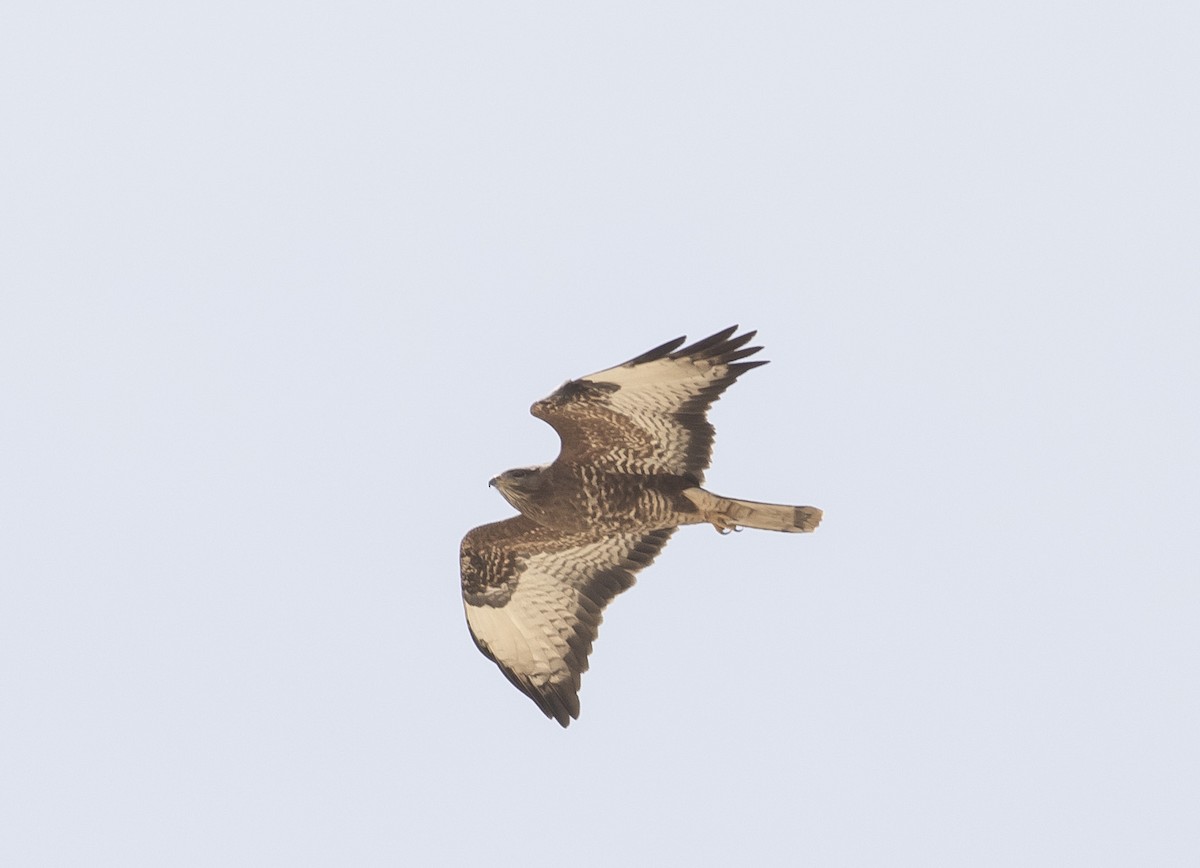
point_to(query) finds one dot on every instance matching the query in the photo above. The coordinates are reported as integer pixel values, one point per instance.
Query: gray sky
(280, 283)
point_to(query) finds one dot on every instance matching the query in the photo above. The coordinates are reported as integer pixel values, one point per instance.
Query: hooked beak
(492, 482)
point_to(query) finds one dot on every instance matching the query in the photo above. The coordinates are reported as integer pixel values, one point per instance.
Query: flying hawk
(635, 444)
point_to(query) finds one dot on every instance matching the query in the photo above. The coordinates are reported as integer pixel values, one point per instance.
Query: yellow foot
(721, 523)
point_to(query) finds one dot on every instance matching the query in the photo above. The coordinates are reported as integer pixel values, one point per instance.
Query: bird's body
(573, 497)
(635, 444)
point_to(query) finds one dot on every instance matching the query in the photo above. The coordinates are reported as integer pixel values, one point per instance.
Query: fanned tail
(727, 513)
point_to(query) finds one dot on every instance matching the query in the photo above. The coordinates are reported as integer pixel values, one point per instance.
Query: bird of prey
(635, 445)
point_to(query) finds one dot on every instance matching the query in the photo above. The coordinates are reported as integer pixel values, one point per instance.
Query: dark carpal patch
(489, 576)
(576, 389)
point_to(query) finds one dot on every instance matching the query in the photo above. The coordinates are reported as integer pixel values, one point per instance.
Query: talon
(721, 523)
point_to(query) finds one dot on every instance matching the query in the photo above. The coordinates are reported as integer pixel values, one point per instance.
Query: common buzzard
(635, 444)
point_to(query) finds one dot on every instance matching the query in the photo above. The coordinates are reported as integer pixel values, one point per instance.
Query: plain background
(280, 282)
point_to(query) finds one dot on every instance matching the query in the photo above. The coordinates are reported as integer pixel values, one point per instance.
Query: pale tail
(726, 513)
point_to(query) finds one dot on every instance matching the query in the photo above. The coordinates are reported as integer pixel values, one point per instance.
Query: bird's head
(518, 484)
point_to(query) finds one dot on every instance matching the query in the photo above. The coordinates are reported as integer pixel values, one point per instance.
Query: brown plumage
(635, 445)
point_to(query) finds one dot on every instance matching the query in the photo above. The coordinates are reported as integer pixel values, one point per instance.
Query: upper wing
(534, 598)
(648, 414)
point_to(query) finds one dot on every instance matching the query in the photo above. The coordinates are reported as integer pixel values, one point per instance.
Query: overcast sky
(280, 282)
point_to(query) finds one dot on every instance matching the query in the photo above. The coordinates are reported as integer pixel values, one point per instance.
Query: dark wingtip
(559, 702)
(739, 368)
(741, 354)
(708, 343)
(658, 352)
(722, 344)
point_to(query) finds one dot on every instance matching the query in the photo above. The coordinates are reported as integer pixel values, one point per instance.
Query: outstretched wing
(534, 598)
(648, 415)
